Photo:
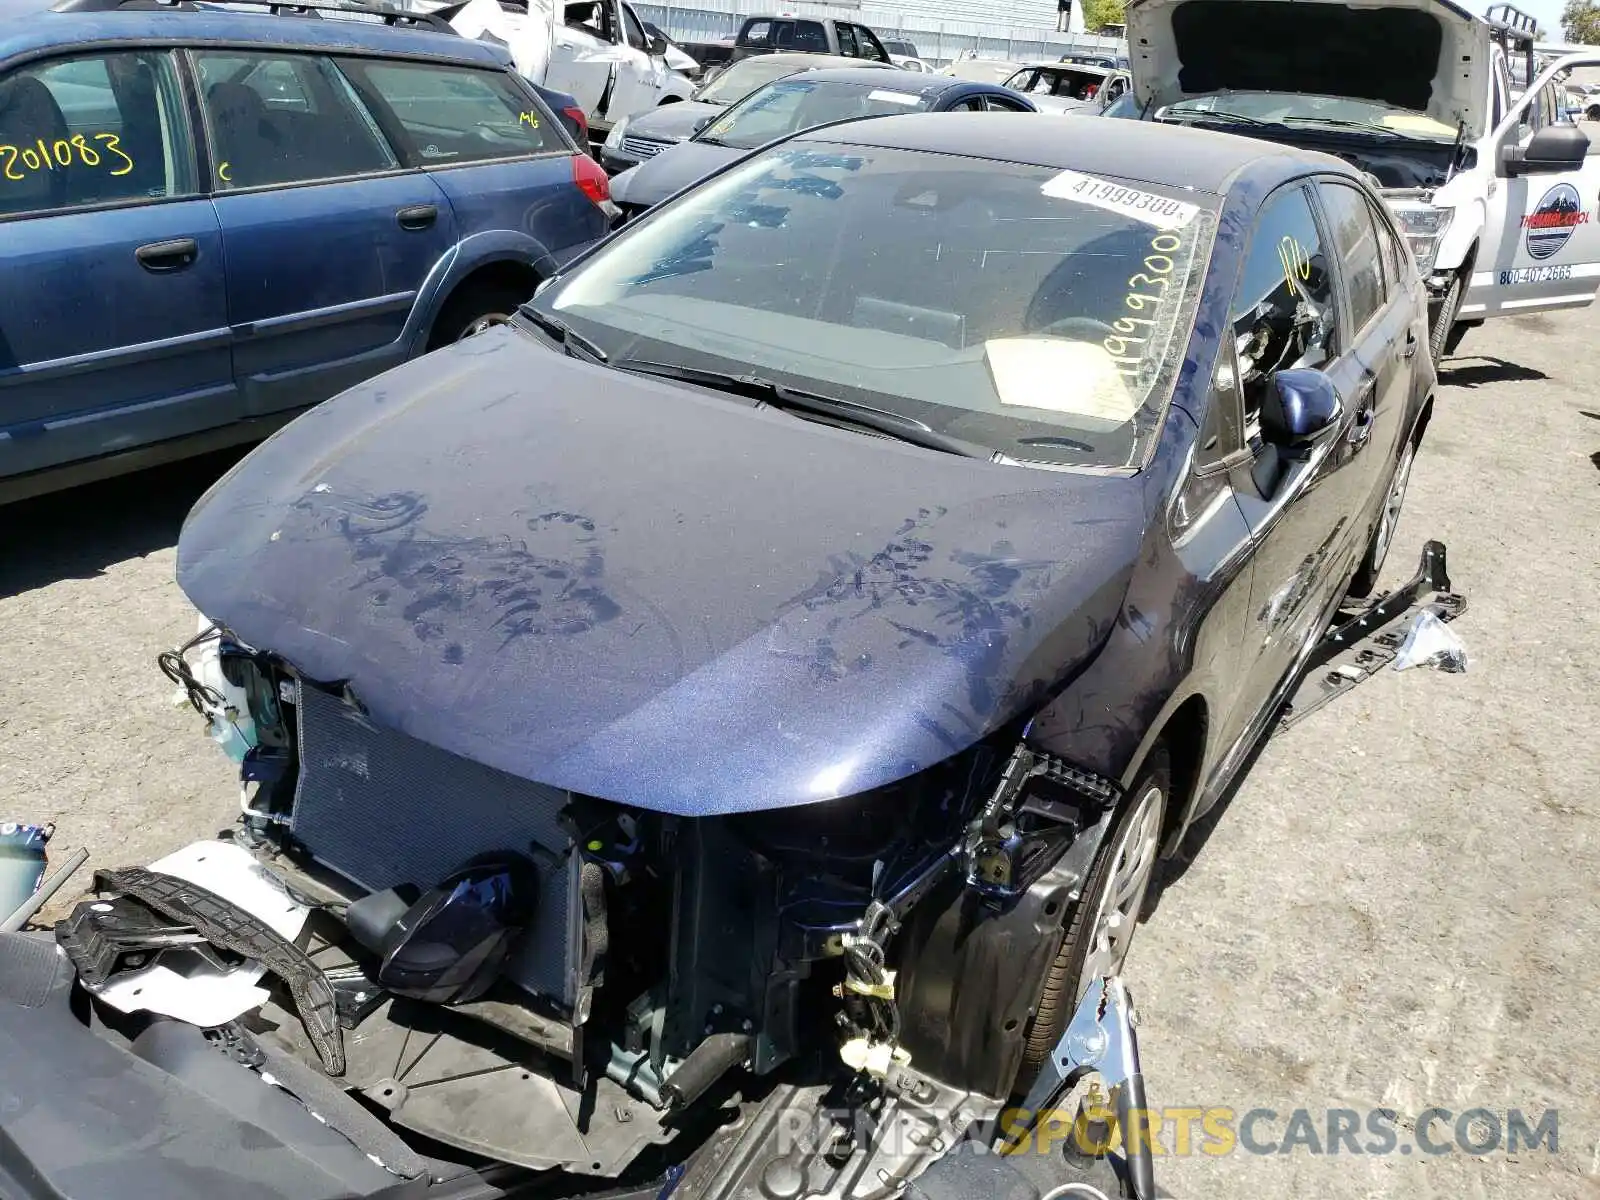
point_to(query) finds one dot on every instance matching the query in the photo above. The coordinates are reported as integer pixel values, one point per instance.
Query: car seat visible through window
(29, 113)
(249, 147)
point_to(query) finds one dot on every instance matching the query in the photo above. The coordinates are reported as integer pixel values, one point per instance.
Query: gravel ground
(1395, 912)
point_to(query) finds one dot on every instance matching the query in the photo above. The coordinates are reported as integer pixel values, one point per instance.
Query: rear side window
(847, 41)
(1357, 243)
(285, 118)
(1395, 263)
(806, 36)
(444, 115)
(92, 130)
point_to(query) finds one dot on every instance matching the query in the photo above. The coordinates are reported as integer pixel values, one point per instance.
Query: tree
(1097, 14)
(1581, 20)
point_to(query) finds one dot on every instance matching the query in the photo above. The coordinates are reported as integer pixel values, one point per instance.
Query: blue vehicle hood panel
(651, 593)
(669, 172)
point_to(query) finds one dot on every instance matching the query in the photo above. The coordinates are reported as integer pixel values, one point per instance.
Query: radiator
(382, 809)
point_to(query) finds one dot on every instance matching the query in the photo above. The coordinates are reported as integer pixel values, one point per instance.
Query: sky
(1548, 13)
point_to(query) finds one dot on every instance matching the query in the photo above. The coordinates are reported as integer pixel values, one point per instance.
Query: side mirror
(1554, 148)
(657, 44)
(1301, 406)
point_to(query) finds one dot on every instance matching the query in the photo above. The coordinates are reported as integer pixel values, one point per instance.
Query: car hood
(651, 593)
(1406, 53)
(1061, 104)
(670, 122)
(674, 169)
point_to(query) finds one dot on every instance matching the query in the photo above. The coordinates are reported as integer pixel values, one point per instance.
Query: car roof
(30, 26)
(1197, 159)
(809, 61)
(912, 83)
(1052, 64)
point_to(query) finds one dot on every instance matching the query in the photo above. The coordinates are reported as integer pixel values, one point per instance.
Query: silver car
(645, 134)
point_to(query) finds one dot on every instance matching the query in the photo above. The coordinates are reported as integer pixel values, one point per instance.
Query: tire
(1075, 1177)
(1439, 343)
(474, 309)
(1592, 112)
(1066, 982)
(1366, 576)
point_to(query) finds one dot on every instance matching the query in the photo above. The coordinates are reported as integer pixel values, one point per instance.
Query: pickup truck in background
(1494, 188)
(598, 51)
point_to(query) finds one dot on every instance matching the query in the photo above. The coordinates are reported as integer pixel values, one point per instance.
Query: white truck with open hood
(1496, 196)
(597, 50)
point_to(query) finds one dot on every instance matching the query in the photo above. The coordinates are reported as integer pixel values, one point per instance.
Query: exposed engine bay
(448, 964)
(1392, 163)
(1407, 166)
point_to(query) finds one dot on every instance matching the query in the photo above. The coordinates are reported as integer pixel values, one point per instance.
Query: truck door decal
(1549, 226)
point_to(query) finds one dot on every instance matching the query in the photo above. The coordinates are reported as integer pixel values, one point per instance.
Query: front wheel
(1100, 926)
(1439, 341)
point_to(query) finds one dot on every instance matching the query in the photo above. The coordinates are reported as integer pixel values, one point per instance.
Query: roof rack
(1512, 23)
(1516, 32)
(353, 10)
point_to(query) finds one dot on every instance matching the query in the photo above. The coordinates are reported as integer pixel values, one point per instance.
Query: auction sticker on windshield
(888, 97)
(1148, 207)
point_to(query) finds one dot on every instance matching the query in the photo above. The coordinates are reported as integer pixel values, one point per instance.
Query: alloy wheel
(1122, 898)
(1392, 504)
(487, 321)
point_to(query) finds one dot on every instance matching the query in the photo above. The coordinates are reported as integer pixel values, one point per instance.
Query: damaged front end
(463, 973)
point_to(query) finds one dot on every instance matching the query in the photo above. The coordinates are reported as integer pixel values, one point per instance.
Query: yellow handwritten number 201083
(63, 153)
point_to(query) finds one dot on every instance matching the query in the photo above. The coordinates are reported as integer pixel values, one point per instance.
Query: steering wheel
(1078, 329)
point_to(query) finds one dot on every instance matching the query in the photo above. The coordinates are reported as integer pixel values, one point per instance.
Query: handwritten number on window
(63, 154)
(1158, 265)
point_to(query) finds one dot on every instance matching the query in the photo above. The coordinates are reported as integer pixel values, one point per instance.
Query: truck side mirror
(1554, 148)
(657, 44)
(1300, 407)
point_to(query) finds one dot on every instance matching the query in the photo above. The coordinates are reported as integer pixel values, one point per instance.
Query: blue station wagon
(213, 219)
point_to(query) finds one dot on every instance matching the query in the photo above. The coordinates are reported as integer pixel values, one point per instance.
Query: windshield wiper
(1339, 123)
(711, 141)
(1211, 114)
(570, 339)
(777, 395)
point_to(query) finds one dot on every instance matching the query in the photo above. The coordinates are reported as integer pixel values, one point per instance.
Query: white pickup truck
(1497, 196)
(597, 50)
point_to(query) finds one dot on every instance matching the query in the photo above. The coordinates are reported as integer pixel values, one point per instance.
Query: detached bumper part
(228, 927)
(166, 1118)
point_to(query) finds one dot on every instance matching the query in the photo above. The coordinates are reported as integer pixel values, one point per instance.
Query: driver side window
(634, 31)
(1283, 313)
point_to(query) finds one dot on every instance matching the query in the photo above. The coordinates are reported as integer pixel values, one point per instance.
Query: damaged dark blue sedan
(762, 676)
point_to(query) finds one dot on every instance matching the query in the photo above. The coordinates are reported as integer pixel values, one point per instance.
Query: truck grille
(382, 809)
(643, 147)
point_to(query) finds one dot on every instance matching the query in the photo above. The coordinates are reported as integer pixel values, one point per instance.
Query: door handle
(172, 255)
(417, 216)
(1366, 415)
(1411, 343)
